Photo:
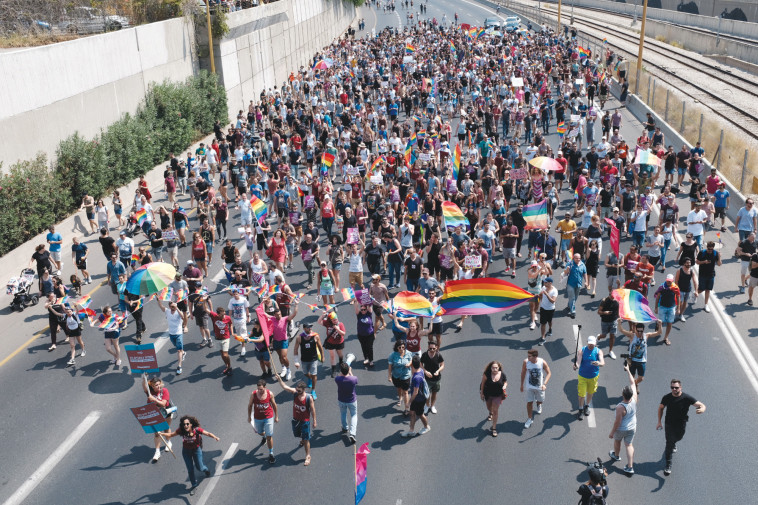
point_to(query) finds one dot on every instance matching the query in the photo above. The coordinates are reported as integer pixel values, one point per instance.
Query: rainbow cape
(535, 216)
(259, 208)
(453, 216)
(633, 306)
(413, 303)
(481, 296)
(456, 162)
(141, 217)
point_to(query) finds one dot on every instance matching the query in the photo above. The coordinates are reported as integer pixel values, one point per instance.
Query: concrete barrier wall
(83, 85)
(265, 44)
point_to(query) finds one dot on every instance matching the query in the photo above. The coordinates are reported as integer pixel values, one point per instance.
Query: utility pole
(642, 46)
(560, 2)
(210, 35)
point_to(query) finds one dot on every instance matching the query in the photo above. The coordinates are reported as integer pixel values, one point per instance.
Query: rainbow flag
(259, 208)
(480, 32)
(481, 296)
(348, 294)
(413, 303)
(409, 149)
(274, 290)
(349, 70)
(85, 312)
(300, 192)
(453, 216)
(141, 217)
(561, 128)
(583, 53)
(262, 167)
(85, 300)
(470, 140)
(106, 321)
(135, 258)
(327, 159)
(452, 46)
(165, 294)
(410, 49)
(313, 308)
(456, 162)
(140, 303)
(535, 216)
(361, 472)
(375, 164)
(633, 306)
(181, 295)
(421, 134)
(605, 40)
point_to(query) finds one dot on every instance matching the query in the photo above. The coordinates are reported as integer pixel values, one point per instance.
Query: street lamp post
(560, 3)
(210, 36)
(642, 45)
(572, 13)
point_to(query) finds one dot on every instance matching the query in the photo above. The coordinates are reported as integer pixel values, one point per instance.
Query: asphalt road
(107, 460)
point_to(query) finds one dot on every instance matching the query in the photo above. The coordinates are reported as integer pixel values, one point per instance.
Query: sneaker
(406, 434)
(629, 470)
(271, 459)
(118, 362)
(168, 447)
(210, 344)
(283, 373)
(586, 410)
(613, 456)
(179, 371)
(310, 383)
(667, 470)
(71, 362)
(538, 409)
(314, 395)
(528, 422)
(674, 448)
(742, 290)
(612, 354)
(289, 375)
(549, 333)
(426, 410)
(682, 318)
(433, 410)
(351, 439)
(706, 308)
(83, 354)
(541, 342)
(532, 325)
(193, 490)
(580, 414)
(243, 351)
(425, 430)
(157, 455)
(344, 430)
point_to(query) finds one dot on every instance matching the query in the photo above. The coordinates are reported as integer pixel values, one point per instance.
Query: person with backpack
(303, 408)
(595, 490)
(419, 393)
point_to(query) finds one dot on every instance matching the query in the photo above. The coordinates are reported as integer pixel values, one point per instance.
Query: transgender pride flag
(361, 458)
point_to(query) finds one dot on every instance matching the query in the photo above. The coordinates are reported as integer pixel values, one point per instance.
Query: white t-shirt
(547, 304)
(695, 215)
(237, 309)
(174, 322)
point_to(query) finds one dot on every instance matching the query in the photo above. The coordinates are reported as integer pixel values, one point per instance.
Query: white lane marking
(161, 342)
(52, 461)
(399, 21)
(744, 357)
(591, 418)
(217, 476)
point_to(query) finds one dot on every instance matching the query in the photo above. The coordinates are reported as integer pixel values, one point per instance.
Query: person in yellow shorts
(588, 362)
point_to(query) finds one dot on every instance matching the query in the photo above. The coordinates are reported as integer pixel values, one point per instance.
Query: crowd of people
(349, 164)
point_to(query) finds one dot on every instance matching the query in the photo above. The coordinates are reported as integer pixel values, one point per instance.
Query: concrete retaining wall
(265, 44)
(50, 92)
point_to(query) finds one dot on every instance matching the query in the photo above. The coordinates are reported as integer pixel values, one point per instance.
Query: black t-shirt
(374, 253)
(748, 249)
(609, 305)
(198, 304)
(43, 261)
(156, 238)
(413, 268)
(688, 251)
(107, 243)
(754, 271)
(677, 407)
(241, 267)
(306, 248)
(586, 493)
(431, 365)
(708, 270)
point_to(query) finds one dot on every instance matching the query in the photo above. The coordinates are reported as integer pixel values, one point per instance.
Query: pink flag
(266, 325)
(615, 236)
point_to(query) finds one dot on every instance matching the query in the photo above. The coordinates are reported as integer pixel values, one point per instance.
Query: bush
(171, 118)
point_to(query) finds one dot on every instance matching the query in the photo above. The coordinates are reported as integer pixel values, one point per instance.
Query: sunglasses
(675, 387)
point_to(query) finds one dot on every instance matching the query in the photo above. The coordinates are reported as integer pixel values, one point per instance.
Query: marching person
(303, 408)
(347, 400)
(625, 422)
(588, 362)
(419, 395)
(492, 391)
(159, 395)
(433, 364)
(177, 320)
(677, 404)
(192, 447)
(262, 413)
(538, 373)
(308, 344)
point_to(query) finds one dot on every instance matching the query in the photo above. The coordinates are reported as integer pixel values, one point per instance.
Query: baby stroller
(21, 289)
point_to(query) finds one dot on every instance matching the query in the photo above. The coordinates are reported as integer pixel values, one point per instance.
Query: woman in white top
(103, 216)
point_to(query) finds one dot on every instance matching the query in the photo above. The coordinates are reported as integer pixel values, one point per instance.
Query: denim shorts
(301, 429)
(264, 426)
(281, 344)
(178, 341)
(667, 314)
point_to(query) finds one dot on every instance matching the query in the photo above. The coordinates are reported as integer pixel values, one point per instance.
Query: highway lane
(109, 464)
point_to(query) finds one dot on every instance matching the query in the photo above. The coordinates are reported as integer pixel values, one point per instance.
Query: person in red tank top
(303, 408)
(413, 336)
(262, 413)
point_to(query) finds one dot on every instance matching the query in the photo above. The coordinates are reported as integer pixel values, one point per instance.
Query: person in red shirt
(335, 336)
(303, 407)
(192, 447)
(262, 413)
(222, 330)
(647, 270)
(160, 396)
(560, 175)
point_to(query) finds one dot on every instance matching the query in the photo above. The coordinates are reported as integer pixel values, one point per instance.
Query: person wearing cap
(667, 301)
(588, 362)
(308, 345)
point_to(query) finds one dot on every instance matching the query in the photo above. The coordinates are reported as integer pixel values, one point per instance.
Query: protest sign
(142, 358)
(150, 418)
(472, 261)
(352, 236)
(519, 174)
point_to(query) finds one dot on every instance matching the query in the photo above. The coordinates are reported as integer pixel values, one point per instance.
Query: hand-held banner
(142, 358)
(150, 418)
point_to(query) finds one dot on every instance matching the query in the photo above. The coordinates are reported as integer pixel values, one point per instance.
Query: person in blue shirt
(282, 199)
(588, 362)
(577, 279)
(55, 240)
(721, 204)
(79, 254)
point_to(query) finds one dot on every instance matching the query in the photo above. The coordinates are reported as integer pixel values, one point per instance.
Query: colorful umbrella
(323, 64)
(150, 278)
(545, 163)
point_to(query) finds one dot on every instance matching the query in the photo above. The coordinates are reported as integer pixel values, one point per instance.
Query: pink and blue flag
(361, 460)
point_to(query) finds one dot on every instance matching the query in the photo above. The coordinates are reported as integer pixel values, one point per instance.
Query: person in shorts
(608, 310)
(625, 423)
(177, 320)
(535, 374)
(308, 345)
(303, 409)
(637, 360)
(222, 330)
(667, 300)
(239, 309)
(588, 362)
(262, 413)
(399, 373)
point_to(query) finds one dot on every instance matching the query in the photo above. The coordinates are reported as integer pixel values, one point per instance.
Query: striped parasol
(150, 278)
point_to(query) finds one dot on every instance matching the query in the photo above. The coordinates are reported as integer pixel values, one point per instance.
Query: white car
(512, 23)
(85, 20)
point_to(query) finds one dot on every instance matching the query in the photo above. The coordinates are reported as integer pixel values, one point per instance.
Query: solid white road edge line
(52, 461)
(214, 480)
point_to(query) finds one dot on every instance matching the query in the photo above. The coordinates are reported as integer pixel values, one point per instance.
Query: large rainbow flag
(410, 49)
(633, 306)
(456, 162)
(453, 216)
(583, 53)
(259, 208)
(486, 295)
(535, 216)
(413, 303)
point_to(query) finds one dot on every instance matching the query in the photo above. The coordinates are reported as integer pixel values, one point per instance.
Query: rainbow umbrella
(150, 278)
(323, 64)
(545, 163)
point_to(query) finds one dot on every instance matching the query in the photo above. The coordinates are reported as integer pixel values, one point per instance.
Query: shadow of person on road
(112, 383)
(390, 441)
(561, 419)
(138, 455)
(171, 491)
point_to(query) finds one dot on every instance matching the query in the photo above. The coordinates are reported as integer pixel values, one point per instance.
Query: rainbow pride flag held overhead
(561, 128)
(452, 46)
(633, 306)
(456, 162)
(410, 49)
(413, 303)
(262, 167)
(327, 159)
(375, 164)
(164, 294)
(486, 295)
(361, 472)
(453, 216)
(141, 216)
(259, 208)
(583, 53)
(348, 294)
(535, 216)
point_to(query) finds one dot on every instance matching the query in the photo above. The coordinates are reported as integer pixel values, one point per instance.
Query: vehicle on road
(492, 23)
(512, 23)
(84, 20)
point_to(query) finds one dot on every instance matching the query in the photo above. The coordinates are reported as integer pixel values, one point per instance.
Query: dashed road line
(217, 476)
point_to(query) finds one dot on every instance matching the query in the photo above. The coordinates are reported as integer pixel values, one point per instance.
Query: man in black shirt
(609, 314)
(677, 404)
(519, 222)
(375, 256)
(432, 364)
(107, 243)
(745, 251)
